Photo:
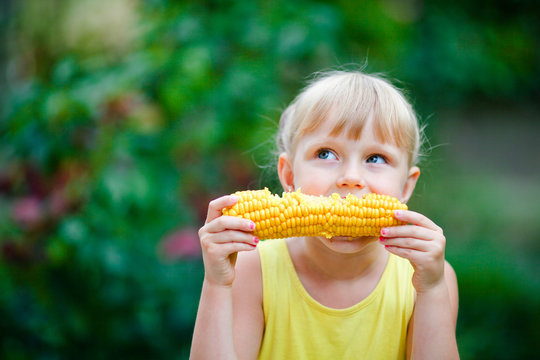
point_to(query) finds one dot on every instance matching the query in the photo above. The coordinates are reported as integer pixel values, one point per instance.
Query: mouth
(347, 238)
(343, 238)
(358, 195)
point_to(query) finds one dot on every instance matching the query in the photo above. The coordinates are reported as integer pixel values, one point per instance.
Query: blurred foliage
(121, 119)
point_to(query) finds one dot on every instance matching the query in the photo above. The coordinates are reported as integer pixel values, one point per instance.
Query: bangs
(353, 100)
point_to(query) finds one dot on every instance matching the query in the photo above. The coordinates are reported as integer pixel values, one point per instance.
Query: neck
(334, 265)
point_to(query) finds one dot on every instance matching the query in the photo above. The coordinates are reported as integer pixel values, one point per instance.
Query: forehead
(341, 124)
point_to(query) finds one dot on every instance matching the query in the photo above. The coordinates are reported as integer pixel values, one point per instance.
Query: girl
(387, 297)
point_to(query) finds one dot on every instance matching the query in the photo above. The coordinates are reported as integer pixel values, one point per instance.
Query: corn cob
(297, 214)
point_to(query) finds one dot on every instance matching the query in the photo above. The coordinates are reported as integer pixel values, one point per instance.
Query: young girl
(387, 297)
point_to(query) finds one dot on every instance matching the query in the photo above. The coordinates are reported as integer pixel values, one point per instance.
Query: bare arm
(432, 329)
(239, 312)
(248, 315)
(212, 336)
(433, 324)
(222, 237)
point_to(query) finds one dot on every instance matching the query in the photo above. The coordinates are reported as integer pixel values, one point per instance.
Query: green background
(121, 119)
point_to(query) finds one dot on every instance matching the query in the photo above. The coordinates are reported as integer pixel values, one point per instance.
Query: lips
(347, 238)
(343, 238)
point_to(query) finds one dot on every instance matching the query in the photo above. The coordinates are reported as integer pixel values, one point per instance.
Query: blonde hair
(353, 98)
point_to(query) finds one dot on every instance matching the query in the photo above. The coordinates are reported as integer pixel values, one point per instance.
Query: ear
(410, 184)
(285, 172)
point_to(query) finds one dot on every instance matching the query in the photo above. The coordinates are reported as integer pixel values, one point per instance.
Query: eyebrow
(324, 141)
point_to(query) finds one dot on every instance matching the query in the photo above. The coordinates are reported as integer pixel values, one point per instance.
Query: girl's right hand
(221, 239)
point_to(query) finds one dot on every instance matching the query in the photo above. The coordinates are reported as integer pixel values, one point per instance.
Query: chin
(346, 244)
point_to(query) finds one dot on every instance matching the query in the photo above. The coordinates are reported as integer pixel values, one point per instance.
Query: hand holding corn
(297, 214)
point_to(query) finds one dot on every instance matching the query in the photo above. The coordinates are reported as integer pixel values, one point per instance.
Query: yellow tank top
(298, 327)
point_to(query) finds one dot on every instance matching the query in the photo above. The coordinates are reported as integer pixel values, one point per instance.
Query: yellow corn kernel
(297, 214)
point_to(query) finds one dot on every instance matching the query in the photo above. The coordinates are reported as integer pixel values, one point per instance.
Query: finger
(223, 223)
(224, 250)
(415, 250)
(420, 260)
(406, 253)
(410, 231)
(232, 236)
(415, 218)
(406, 243)
(234, 247)
(215, 206)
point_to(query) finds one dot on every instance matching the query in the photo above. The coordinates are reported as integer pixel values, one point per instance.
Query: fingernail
(255, 240)
(252, 225)
(384, 231)
(381, 238)
(398, 213)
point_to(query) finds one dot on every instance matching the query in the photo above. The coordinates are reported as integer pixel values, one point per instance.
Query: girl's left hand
(421, 242)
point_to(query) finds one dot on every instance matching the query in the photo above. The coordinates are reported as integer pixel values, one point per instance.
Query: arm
(433, 324)
(222, 237)
(239, 314)
(248, 315)
(212, 336)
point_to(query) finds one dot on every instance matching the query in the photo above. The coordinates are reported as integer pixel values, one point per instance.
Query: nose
(351, 177)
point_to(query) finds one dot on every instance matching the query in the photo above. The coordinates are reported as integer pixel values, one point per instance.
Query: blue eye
(325, 154)
(376, 159)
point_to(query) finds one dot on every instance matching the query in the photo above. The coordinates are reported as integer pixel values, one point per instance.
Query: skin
(337, 272)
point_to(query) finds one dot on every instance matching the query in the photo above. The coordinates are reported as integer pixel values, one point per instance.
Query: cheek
(385, 186)
(312, 182)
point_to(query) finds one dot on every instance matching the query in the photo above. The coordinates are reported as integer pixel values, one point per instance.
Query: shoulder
(449, 273)
(452, 284)
(250, 265)
(450, 277)
(248, 272)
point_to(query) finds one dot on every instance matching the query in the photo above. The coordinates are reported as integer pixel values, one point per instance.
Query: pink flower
(28, 211)
(181, 244)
